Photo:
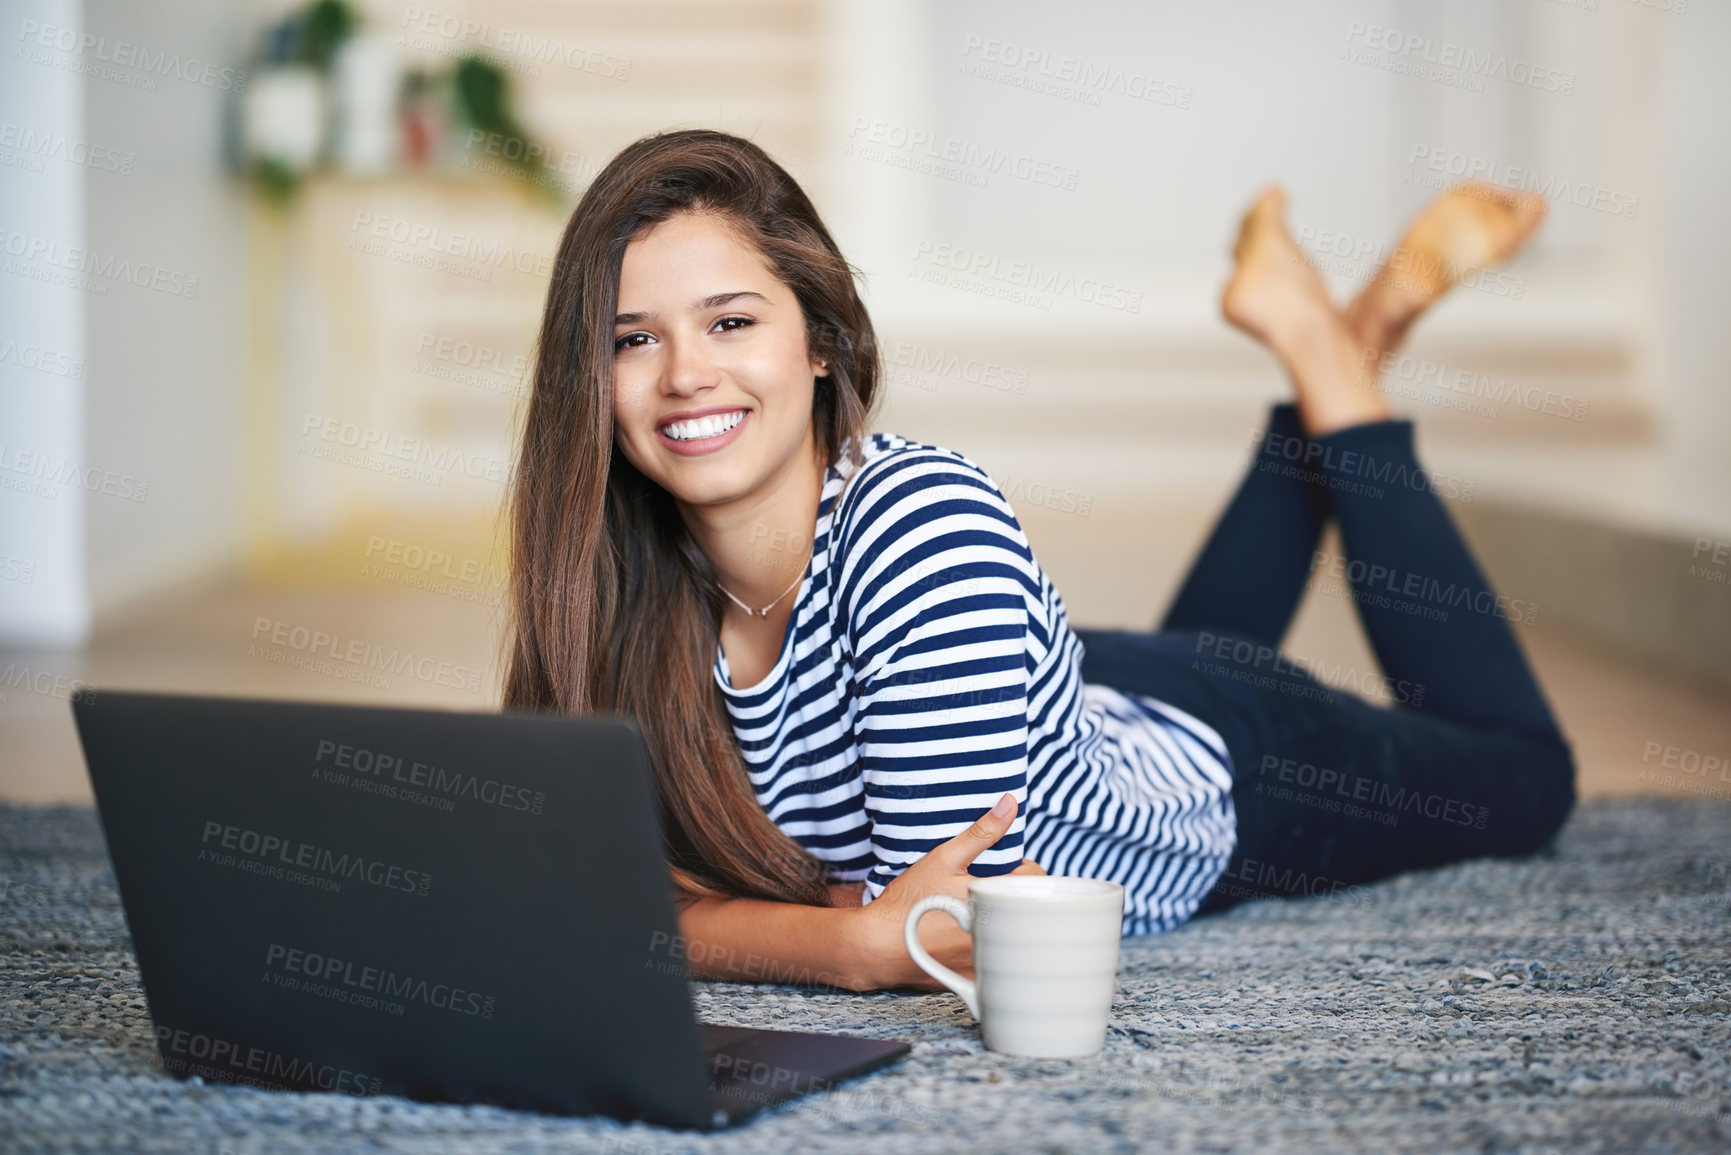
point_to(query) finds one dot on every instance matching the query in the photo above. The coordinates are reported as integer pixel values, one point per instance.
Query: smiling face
(712, 393)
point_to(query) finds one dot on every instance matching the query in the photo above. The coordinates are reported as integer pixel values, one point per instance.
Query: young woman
(858, 686)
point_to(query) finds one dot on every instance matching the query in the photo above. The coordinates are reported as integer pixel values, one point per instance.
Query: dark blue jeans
(1464, 760)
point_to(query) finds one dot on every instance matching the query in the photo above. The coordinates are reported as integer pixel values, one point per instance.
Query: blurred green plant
(482, 94)
(477, 92)
(275, 181)
(321, 30)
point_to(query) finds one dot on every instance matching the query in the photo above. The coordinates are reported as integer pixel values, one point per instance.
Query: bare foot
(1273, 285)
(1471, 226)
(1276, 295)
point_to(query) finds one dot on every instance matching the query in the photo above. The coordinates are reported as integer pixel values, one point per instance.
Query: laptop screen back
(461, 907)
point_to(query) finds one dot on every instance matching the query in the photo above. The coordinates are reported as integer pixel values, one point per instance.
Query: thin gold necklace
(764, 612)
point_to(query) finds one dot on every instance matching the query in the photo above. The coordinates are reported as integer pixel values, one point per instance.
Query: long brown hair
(614, 606)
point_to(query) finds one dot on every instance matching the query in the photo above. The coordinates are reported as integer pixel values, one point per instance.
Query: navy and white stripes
(929, 668)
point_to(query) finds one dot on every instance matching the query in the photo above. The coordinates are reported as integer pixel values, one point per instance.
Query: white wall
(42, 592)
(1693, 305)
(1620, 307)
(166, 392)
(122, 180)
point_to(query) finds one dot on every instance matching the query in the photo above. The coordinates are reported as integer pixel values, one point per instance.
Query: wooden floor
(291, 639)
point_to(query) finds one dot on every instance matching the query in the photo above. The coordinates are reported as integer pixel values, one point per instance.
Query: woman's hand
(941, 870)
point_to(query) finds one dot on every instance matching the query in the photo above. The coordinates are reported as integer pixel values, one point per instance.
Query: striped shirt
(929, 668)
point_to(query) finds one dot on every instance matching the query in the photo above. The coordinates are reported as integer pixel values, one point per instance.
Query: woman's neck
(759, 543)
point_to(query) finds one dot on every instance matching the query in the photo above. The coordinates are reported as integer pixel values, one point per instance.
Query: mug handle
(958, 910)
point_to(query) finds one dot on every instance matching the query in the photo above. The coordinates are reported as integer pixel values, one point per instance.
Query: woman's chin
(697, 483)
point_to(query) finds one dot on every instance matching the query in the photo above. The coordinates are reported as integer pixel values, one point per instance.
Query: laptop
(455, 907)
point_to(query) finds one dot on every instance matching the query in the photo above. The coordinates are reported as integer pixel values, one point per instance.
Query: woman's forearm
(848, 945)
(756, 940)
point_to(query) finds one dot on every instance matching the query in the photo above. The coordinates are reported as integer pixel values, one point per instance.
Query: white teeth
(698, 428)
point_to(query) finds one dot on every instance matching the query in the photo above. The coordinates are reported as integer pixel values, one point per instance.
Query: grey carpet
(1573, 1002)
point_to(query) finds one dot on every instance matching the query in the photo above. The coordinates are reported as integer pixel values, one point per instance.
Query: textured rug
(1573, 1002)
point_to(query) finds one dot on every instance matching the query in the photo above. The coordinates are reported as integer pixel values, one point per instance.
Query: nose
(689, 368)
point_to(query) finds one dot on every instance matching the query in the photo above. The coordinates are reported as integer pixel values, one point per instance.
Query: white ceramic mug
(1045, 960)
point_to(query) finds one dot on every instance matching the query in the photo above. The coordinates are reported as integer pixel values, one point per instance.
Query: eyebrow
(713, 301)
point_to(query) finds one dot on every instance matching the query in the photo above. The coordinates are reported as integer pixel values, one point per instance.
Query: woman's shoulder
(901, 482)
(892, 463)
(925, 524)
